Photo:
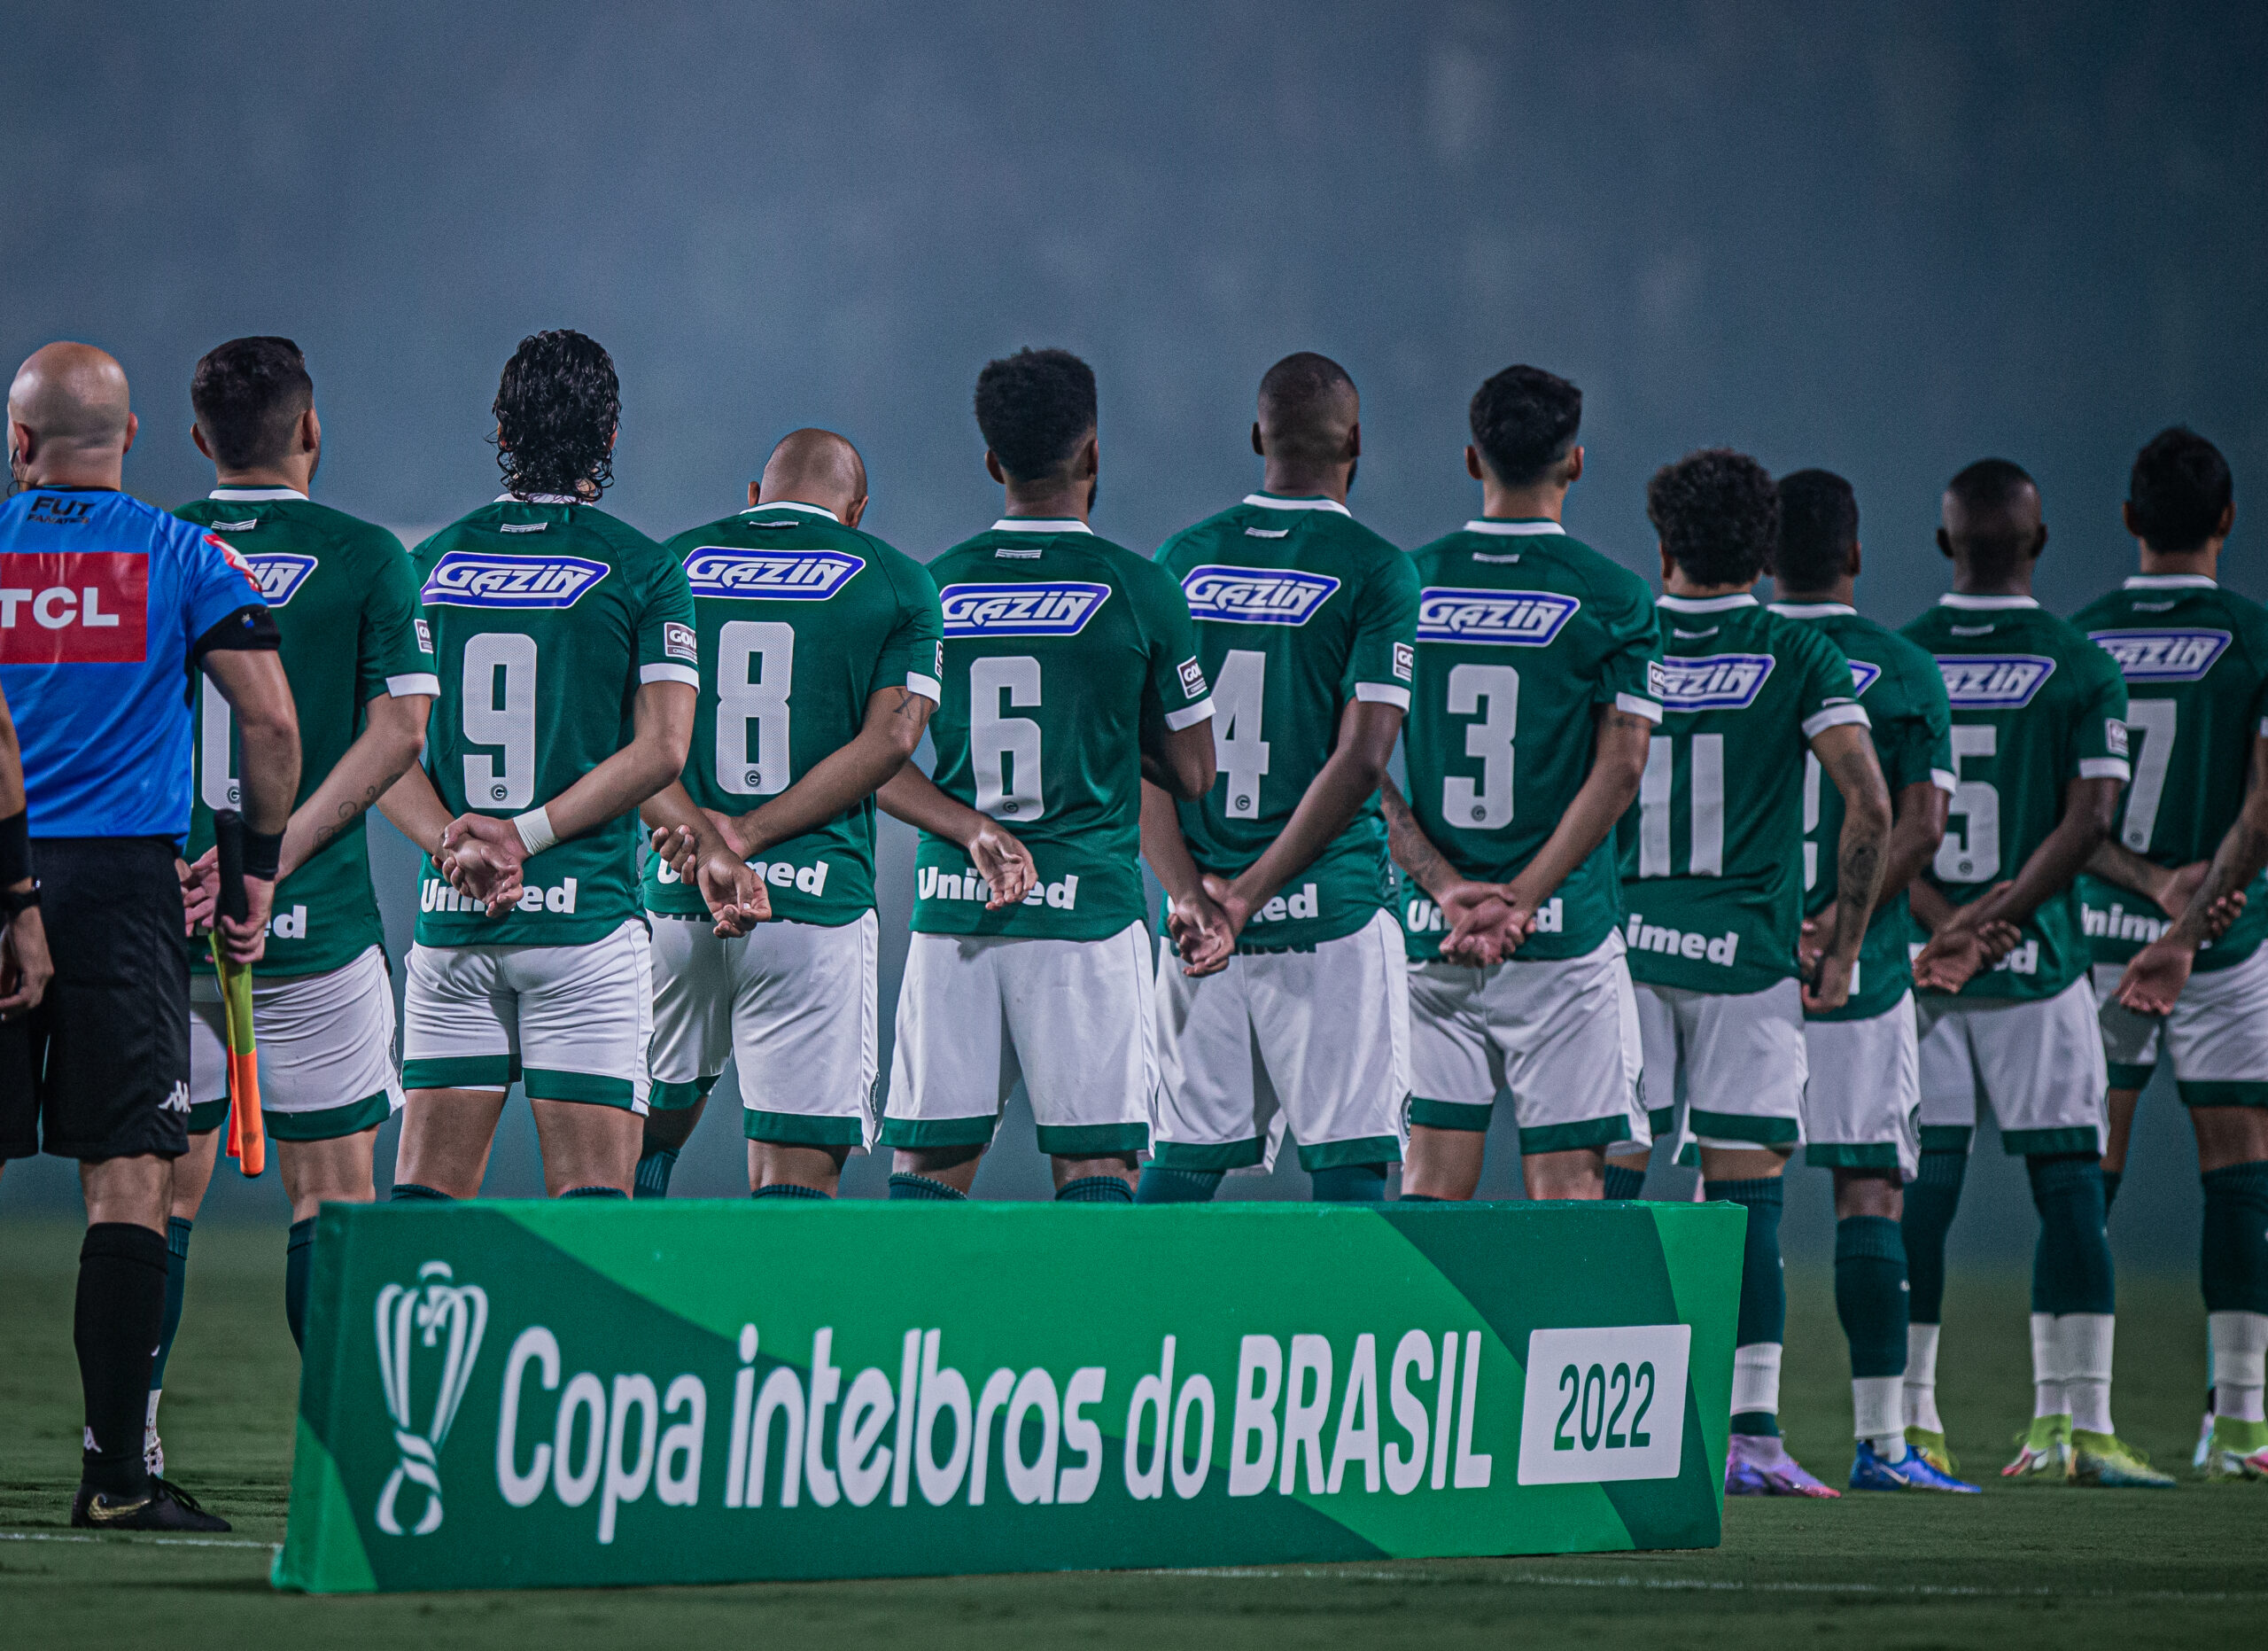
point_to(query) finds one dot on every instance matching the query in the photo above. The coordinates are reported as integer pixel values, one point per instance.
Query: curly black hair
(2179, 487)
(247, 396)
(557, 411)
(1523, 422)
(1033, 408)
(1818, 523)
(1718, 513)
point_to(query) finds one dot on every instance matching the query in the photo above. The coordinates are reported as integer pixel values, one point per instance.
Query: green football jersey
(344, 599)
(2035, 706)
(2196, 660)
(1899, 688)
(1711, 855)
(1060, 648)
(800, 622)
(548, 616)
(1523, 634)
(1299, 609)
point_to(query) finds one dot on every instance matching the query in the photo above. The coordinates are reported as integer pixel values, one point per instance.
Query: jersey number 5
(1973, 854)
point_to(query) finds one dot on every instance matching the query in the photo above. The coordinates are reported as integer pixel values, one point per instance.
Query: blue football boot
(1915, 1472)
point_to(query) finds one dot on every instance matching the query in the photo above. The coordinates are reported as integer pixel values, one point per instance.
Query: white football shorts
(1740, 1056)
(571, 1022)
(1316, 1039)
(1069, 1017)
(1862, 1103)
(2037, 1061)
(793, 1004)
(326, 1050)
(1561, 1034)
(2216, 1036)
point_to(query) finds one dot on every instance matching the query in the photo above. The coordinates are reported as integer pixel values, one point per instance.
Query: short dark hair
(247, 394)
(1523, 422)
(1818, 523)
(1718, 514)
(1299, 400)
(2179, 488)
(1990, 483)
(557, 408)
(1033, 408)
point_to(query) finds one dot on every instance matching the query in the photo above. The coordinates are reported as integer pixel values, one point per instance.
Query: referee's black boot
(165, 1506)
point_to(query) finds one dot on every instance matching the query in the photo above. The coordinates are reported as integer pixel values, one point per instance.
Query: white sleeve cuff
(1638, 707)
(1189, 716)
(1945, 780)
(2104, 769)
(1383, 694)
(414, 683)
(664, 672)
(927, 687)
(1834, 716)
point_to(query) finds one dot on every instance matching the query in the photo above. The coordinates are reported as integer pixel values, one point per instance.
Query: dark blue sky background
(1886, 238)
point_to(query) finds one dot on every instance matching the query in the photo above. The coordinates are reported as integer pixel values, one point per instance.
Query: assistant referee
(106, 605)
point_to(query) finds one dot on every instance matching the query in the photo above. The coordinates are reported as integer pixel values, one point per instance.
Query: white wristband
(534, 828)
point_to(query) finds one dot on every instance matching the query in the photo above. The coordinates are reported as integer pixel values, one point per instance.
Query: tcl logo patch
(74, 607)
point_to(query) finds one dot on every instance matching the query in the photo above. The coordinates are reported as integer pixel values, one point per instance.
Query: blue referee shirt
(102, 600)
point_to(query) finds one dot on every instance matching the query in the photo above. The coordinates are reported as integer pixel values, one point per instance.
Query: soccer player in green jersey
(1539, 665)
(2039, 754)
(1070, 674)
(322, 1007)
(1862, 1095)
(564, 641)
(1294, 1010)
(2193, 833)
(820, 658)
(1712, 873)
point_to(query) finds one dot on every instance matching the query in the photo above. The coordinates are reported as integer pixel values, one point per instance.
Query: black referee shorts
(100, 1068)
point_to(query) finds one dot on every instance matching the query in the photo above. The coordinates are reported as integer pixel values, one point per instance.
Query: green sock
(1932, 1199)
(1095, 1189)
(2110, 1179)
(176, 1283)
(1164, 1183)
(1418, 1198)
(2070, 1263)
(905, 1184)
(1870, 1293)
(2235, 1251)
(1763, 1288)
(410, 1192)
(1348, 1183)
(1625, 1184)
(298, 1263)
(595, 1192)
(652, 1179)
(787, 1190)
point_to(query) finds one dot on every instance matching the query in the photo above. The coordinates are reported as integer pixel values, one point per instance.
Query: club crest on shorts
(450, 1318)
(1255, 595)
(472, 579)
(1863, 676)
(1518, 618)
(280, 573)
(1055, 608)
(1715, 681)
(783, 575)
(1983, 682)
(2171, 656)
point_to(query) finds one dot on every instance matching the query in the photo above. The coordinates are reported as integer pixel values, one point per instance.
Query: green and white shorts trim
(1315, 1041)
(326, 1051)
(1741, 1058)
(2216, 1036)
(2038, 1060)
(1069, 1017)
(571, 1022)
(1863, 1103)
(1561, 1034)
(792, 1003)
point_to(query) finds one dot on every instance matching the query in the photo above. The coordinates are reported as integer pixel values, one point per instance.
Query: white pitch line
(131, 1535)
(1709, 1585)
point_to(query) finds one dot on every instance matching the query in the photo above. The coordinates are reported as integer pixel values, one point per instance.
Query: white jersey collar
(1272, 501)
(1706, 604)
(246, 495)
(2137, 581)
(793, 504)
(1984, 605)
(1041, 524)
(1518, 527)
(537, 498)
(1810, 610)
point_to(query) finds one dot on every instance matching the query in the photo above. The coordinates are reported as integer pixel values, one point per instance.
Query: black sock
(595, 1192)
(652, 1179)
(1418, 1198)
(410, 1192)
(905, 1184)
(1095, 1189)
(176, 1285)
(2110, 1179)
(1931, 1198)
(788, 1189)
(298, 1263)
(1621, 1183)
(121, 1303)
(1347, 1183)
(1163, 1183)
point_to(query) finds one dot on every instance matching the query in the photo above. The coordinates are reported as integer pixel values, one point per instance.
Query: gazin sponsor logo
(466, 579)
(438, 1313)
(1715, 682)
(781, 575)
(1519, 618)
(2169, 656)
(1981, 681)
(280, 573)
(1256, 595)
(1052, 608)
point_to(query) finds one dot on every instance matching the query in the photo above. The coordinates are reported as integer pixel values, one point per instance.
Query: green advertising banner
(560, 1394)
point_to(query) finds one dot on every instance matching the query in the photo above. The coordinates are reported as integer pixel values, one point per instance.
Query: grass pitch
(2012, 1568)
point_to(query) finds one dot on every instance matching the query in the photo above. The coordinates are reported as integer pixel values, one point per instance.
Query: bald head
(72, 397)
(1992, 517)
(815, 467)
(1308, 411)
